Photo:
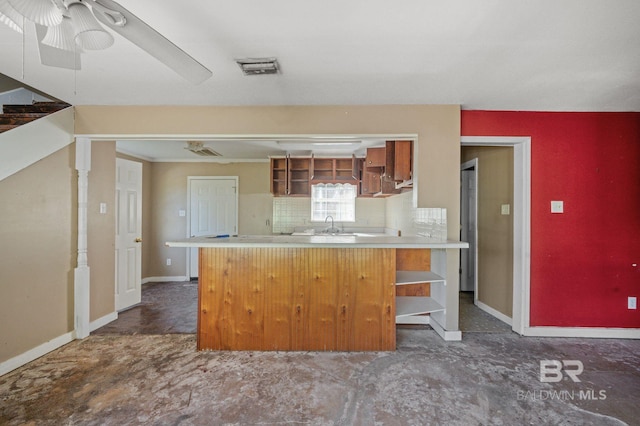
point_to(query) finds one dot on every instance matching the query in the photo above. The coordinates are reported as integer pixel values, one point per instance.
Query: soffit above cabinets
(249, 149)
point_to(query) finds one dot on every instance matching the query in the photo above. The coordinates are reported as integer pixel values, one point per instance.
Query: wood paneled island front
(304, 293)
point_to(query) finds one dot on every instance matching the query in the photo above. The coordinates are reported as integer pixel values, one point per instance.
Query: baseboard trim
(494, 313)
(589, 332)
(451, 336)
(35, 353)
(164, 279)
(101, 322)
(447, 335)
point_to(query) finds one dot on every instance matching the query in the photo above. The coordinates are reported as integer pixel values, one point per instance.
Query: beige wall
(495, 231)
(169, 195)
(437, 148)
(38, 230)
(101, 237)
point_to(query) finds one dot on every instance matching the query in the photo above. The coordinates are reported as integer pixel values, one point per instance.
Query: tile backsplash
(431, 223)
(394, 213)
(292, 212)
(402, 214)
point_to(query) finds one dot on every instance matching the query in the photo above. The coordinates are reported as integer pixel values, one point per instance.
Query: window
(335, 200)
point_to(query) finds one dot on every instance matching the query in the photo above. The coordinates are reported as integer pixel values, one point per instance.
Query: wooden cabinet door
(402, 161)
(376, 157)
(370, 182)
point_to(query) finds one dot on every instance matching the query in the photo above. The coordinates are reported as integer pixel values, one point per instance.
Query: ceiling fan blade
(151, 41)
(54, 57)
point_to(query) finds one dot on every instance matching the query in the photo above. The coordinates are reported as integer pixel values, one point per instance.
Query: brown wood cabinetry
(398, 156)
(334, 170)
(388, 169)
(279, 176)
(296, 299)
(299, 177)
(376, 157)
(370, 182)
(290, 176)
(293, 176)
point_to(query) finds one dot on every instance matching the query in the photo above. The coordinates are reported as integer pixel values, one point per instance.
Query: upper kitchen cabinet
(299, 177)
(398, 160)
(335, 170)
(290, 176)
(388, 169)
(279, 176)
(376, 157)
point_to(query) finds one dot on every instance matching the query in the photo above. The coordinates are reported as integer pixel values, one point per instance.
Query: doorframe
(521, 221)
(473, 164)
(187, 232)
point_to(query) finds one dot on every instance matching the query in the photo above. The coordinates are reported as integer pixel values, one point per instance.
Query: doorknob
(138, 240)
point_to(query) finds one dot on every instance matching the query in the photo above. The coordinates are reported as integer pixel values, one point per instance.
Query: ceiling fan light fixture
(9, 16)
(259, 66)
(43, 12)
(88, 33)
(61, 36)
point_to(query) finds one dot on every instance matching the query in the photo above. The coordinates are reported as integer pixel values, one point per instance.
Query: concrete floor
(488, 378)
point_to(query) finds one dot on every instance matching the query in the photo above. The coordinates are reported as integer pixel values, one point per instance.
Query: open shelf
(416, 277)
(416, 305)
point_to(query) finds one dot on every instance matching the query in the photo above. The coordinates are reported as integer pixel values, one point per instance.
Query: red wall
(581, 261)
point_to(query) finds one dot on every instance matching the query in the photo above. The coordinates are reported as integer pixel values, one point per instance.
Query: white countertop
(309, 241)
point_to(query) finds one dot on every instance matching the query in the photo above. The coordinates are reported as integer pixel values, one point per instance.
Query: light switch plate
(505, 209)
(182, 213)
(632, 303)
(103, 208)
(557, 207)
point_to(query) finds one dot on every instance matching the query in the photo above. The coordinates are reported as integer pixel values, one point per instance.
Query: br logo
(551, 370)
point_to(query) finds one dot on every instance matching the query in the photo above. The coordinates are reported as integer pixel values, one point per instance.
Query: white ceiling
(569, 55)
(545, 55)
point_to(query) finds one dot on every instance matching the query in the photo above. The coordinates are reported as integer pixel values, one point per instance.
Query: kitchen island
(317, 292)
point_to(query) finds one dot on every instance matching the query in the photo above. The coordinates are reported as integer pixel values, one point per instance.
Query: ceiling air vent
(199, 148)
(259, 66)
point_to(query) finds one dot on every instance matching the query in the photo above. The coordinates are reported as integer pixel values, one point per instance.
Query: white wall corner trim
(35, 353)
(102, 321)
(31, 142)
(587, 332)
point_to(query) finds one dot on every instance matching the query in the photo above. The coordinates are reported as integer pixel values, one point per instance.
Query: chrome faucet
(332, 230)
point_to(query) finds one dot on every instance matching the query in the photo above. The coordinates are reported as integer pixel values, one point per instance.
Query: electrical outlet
(168, 262)
(632, 302)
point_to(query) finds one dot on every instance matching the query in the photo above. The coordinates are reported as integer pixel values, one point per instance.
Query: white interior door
(128, 233)
(213, 210)
(468, 229)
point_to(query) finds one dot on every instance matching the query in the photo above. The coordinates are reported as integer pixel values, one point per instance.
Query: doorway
(212, 211)
(521, 221)
(468, 229)
(128, 244)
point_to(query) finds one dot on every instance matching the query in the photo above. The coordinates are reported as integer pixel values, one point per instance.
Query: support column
(82, 272)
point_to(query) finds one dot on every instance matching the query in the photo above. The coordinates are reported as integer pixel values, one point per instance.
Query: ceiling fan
(67, 28)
